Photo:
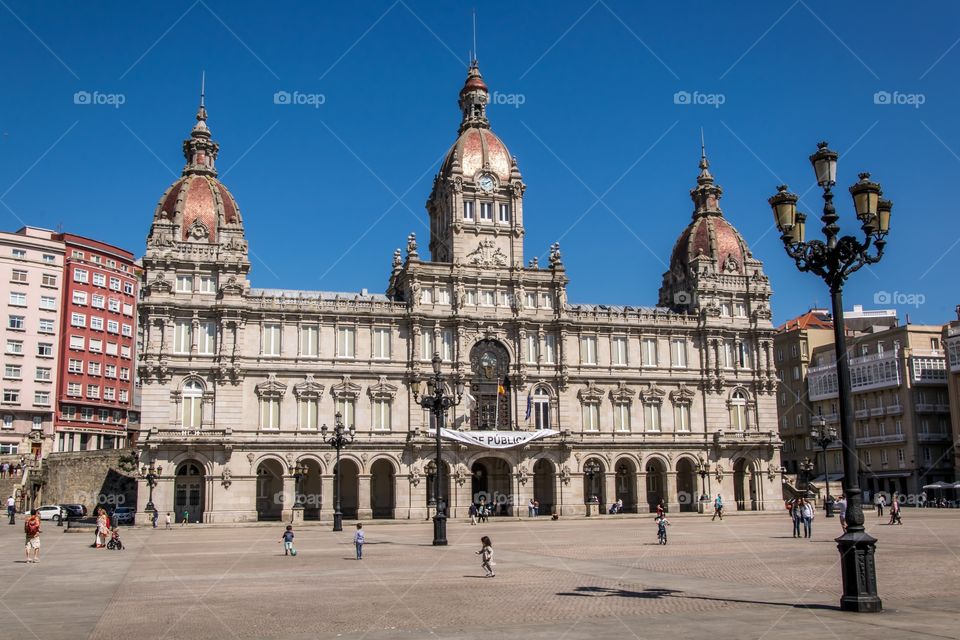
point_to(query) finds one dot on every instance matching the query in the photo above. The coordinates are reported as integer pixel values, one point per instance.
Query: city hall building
(636, 403)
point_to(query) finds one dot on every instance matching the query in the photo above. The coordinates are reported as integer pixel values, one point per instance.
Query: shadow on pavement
(654, 594)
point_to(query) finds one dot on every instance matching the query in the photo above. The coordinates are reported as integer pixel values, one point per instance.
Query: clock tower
(476, 206)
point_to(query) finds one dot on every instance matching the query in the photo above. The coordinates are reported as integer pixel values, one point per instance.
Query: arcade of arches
(378, 487)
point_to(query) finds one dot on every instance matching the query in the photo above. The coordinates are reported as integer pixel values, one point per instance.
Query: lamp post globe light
(591, 469)
(823, 437)
(806, 474)
(150, 474)
(437, 401)
(834, 259)
(340, 438)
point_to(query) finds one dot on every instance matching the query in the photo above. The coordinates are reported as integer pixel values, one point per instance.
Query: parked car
(74, 510)
(123, 515)
(50, 512)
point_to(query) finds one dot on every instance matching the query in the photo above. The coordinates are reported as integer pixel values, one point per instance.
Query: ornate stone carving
(309, 388)
(345, 390)
(591, 393)
(487, 255)
(622, 393)
(682, 395)
(382, 390)
(225, 478)
(271, 387)
(412, 247)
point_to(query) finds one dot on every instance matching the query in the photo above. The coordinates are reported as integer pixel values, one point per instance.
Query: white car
(49, 512)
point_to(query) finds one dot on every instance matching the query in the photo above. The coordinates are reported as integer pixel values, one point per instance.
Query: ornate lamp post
(834, 259)
(300, 471)
(150, 474)
(437, 401)
(431, 471)
(591, 469)
(703, 470)
(341, 438)
(823, 438)
(806, 472)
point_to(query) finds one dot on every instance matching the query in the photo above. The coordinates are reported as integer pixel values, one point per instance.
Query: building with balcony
(31, 273)
(236, 381)
(951, 345)
(899, 384)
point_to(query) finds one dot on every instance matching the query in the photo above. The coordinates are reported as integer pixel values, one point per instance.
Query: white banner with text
(495, 439)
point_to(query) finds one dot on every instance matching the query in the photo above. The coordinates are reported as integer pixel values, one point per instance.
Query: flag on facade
(529, 407)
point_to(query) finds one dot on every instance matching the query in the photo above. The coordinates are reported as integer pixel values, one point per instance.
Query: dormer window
(468, 210)
(486, 211)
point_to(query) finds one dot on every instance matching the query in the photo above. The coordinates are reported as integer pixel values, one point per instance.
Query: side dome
(198, 203)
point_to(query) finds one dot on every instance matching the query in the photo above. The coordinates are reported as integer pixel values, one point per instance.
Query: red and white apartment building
(95, 388)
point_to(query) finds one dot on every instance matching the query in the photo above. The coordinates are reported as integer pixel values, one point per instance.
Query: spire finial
(203, 87)
(199, 149)
(474, 33)
(705, 177)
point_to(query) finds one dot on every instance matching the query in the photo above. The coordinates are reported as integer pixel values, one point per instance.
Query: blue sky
(328, 191)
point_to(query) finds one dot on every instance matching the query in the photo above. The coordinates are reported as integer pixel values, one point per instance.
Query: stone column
(401, 496)
(573, 496)
(289, 498)
(364, 512)
(609, 490)
(670, 499)
(460, 504)
(418, 499)
(326, 497)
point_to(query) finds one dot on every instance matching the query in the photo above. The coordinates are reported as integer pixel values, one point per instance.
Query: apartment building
(899, 384)
(31, 272)
(95, 385)
(951, 344)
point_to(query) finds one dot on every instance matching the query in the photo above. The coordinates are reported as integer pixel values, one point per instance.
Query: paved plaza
(745, 577)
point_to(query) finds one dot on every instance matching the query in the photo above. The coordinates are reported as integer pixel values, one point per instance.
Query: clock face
(486, 182)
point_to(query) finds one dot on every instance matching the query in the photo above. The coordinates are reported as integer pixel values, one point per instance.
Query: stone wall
(89, 478)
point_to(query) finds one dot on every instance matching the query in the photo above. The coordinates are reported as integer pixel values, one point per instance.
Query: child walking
(358, 541)
(486, 556)
(166, 522)
(287, 541)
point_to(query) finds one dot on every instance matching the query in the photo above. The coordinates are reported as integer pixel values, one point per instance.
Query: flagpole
(496, 411)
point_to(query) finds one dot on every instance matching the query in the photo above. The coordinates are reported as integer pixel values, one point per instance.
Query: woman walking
(486, 556)
(103, 529)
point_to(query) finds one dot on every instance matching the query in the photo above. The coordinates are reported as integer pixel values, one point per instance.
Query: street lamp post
(341, 438)
(806, 473)
(703, 470)
(591, 469)
(150, 474)
(437, 401)
(834, 259)
(823, 438)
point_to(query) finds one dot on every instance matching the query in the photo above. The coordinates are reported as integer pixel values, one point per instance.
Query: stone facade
(236, 380)
(951, 345)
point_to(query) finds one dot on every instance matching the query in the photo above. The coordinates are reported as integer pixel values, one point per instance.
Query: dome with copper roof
(478, 148)
(709, 235)
(198, 203)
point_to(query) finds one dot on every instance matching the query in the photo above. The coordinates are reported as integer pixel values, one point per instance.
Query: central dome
(479, 150)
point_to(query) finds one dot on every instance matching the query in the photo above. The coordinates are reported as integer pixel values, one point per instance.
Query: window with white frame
(113, 326)
(44, 350)
(192, 398)
(678, 353)
(112, 348)
(651, 416)
(270, 412)
(541, 408)
(80, 297)
(486, 211)
(468, 210)
(310, 341)
(11, 396)
(43, 374)
(446, 345)
(504, 216)
(76, 342)
(78, 320)
(124, 373)
(550, 348)
(728, 359)
(123, 395)
(75, 366)
(381, 343)
(41, 398)
(110, 371)
(588, 350)
(427, 344)
(81, 275)
(126, 330)
(99, 280)
(346, 342)
(48, 303)
(618, 349)
(443, 295)
(128, 288)
(308, 410)
(19, 275)
(591, 416)
(98, 300)
(93, 391)
(649, 352)
(531, 300)
(738, 411)
(109, 393)
(182, 336)
(18, 299)
(681, 417)
(621, 416)
(74, 389)
(12, 371)
(546, 300)
(532, 349)
(426, 295)
(743, 355)
(127, 309)
(93, 368)
(208, 284)
(346, 407)
(271, 340)
(487, 299)
(46, 325)
(115, 284)
(381, 414)
(96, 323)
(207, 339)
(125, 351)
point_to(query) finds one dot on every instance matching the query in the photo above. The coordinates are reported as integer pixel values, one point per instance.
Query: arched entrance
(492, 484)
(686, 485)
(490, 363)
(308, 493)
(381, 489)
(544, 480)
(269, 490)
(188, 494)
(626, 484)
(744, 490)
(349, 488)
(656, 484)
(594, 484)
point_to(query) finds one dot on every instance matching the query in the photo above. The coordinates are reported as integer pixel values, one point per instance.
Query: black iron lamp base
(859, 573)
(337, 521)
(440, 530)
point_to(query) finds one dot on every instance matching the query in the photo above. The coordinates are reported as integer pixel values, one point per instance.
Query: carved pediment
(271, 387)
(159, 284)
(487, 255)
(590, 393)
(309, 388)
(345, 390)
(382, 390)
(622, 393)
(682, 395)
(652, 394)
(231, 286)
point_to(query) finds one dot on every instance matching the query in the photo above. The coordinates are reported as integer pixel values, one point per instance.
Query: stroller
(114, 541)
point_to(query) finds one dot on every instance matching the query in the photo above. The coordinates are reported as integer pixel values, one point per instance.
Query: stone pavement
(745, 577)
